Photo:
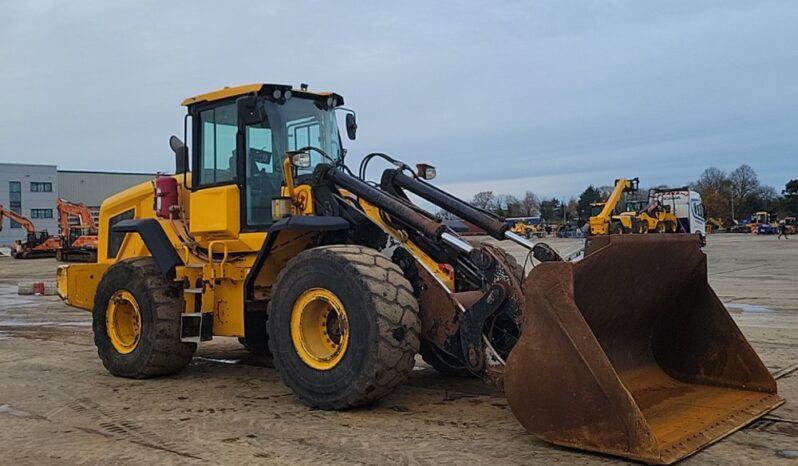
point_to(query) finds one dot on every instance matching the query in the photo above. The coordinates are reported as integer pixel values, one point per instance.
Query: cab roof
(260, 88)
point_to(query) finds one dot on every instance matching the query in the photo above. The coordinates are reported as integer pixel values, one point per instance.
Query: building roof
(101, 172)
(28, 164)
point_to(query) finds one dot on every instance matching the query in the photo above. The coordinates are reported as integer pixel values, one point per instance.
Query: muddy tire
(616, 228)
(670, 227)
(635, 225)
(379, 336)
(157, 349)
(643, 227)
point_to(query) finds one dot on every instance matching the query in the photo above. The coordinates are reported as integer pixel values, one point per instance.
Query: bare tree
(508, 205)
(484, 200)
(573, 208)
(530, 204)
(712, 180)
(743, 182)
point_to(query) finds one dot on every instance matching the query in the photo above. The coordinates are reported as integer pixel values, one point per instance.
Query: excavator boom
(22, 220)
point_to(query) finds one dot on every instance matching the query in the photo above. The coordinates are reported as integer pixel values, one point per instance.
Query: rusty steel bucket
(629, 352)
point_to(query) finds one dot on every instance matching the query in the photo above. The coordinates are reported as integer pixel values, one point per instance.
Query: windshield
(301, 124)
(290, 126)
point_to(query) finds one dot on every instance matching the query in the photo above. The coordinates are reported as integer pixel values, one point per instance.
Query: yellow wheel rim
(123, 321)
(319, 328)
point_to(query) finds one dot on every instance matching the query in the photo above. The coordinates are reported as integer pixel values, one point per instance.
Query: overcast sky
(506, 96)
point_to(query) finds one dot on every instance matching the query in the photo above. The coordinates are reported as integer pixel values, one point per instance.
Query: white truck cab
(686, 205)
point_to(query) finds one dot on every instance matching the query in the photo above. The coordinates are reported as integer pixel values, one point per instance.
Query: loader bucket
(629, 352)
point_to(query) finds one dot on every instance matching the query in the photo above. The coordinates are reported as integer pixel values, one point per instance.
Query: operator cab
(241, 135)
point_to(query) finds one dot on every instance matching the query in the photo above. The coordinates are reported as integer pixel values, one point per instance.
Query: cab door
(215, 207)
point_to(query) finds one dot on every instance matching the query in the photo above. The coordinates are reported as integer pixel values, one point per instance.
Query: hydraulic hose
(494, 226)
(389, 204)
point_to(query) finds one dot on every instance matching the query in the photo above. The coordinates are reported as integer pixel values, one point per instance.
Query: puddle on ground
(10, 299)
(742, 307)
(7, 409)
(30, 323)
(223, 361)
(790, 454)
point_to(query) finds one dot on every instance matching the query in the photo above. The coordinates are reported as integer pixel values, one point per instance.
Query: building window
(41, 213)
(41, 187)
(15, 200)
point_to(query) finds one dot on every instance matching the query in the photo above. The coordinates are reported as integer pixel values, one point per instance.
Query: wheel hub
(123, 321)
(319, 328)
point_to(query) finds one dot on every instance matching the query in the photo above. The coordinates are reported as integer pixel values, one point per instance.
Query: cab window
(218, 128)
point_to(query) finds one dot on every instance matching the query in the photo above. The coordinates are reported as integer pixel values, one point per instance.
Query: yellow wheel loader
(651, 216)
(603, 220)
(264, 233)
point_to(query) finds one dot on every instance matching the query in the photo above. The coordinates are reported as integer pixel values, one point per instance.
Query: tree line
(729, 196)
(738, 194)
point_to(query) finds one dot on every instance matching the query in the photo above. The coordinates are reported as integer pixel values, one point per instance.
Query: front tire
(343, 326)
(136, 321)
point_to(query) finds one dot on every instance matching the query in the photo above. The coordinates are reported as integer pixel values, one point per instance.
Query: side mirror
(181, 154)
(249, 112)
(351, 126)
(425, 171)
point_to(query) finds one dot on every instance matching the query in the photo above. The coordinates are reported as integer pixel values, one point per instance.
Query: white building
(32, 190)
(29, 190)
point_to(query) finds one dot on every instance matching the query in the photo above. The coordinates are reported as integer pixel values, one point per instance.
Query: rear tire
(380, 335)
(670, 227)
(157, 350)
(643, 227)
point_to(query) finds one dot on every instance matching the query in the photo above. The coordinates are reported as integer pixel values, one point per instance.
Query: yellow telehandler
(604, 221)
(263, 233)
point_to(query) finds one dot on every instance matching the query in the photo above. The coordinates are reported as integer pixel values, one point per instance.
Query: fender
(156, 241)
(301, 223)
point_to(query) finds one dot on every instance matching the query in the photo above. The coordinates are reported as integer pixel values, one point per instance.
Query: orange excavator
(78, 242)
(37, 244)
